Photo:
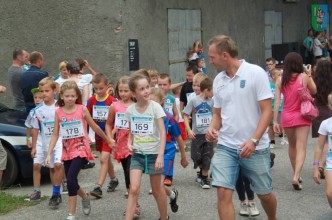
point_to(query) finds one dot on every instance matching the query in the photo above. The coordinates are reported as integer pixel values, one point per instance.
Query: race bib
(72, 129)
(203, 119)
(120, 121)
(100, 112)
(48, 128)
(141, 124)
(168, 107)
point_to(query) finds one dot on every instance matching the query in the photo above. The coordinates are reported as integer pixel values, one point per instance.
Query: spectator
(296, 127)
(318, 46)
(27, 63)
(3, 153)
(31, 78)
(14, 73)
(308, 44)
(270, 64)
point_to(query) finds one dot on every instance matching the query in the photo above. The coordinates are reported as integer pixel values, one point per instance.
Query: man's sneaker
(89, 165)
(137, 212)
(71, 217)
(86, 206)
(272, 156)
(97, 192)
(174, 205)
(244, 211)
(113, 184)
(64, 187)
(198, 177)
(55, 201)
(34, 197)
(205, 183)
(167, 182)
(253, 211)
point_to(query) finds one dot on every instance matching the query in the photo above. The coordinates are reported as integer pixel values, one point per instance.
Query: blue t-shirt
(169, 102)
(202, 57)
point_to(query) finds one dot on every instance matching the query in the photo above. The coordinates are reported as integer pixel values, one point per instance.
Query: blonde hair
(275, 71)
(48, 80)
(158, 93)
(124, 81)
(224, 44)
(142, 72)
(329, 100)
(62, 65)
(153, 73)
(199, 77)
(197, 45)
(69, 85)
(135, 77)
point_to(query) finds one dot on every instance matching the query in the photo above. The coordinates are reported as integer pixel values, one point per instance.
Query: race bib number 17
(72, 129)
(120, 121)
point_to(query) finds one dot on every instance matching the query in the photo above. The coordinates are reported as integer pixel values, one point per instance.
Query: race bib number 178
(72, 129)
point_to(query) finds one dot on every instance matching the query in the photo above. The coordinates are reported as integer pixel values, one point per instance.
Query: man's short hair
(35, 56)
(224, 43)
(17, 52)
(270, 59)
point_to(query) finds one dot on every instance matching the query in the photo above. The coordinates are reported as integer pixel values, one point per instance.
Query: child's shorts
(3, 157)
(201, 152)
(138, 162)
(168, 167)
(329, 161)
(183, 130)
(102, 146)
(41, 155)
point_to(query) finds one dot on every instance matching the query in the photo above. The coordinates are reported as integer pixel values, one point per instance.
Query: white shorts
(41, 155)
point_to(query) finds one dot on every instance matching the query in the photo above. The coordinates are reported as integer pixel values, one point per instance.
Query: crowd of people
(144, 119)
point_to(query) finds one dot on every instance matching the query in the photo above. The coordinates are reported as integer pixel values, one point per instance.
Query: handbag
(308, 109)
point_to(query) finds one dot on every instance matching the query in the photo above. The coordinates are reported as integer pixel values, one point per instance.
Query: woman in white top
(318, 46)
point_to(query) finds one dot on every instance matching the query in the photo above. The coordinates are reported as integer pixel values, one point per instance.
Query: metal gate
(273, 31)
(184, 28)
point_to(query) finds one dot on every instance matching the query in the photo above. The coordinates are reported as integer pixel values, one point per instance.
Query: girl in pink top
(296, 127)
(117, 125)
(70, 121)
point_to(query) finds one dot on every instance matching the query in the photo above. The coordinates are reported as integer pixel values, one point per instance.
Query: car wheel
(11, 172)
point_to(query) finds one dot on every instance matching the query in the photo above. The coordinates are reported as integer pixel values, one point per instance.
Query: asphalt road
(194, 203)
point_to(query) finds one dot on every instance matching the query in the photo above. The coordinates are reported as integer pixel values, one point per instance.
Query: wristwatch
(255, 141)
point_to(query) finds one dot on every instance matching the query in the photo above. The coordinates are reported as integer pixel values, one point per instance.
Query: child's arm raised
(160, 159)
(317, 156)
(96, 128)
(54, 139)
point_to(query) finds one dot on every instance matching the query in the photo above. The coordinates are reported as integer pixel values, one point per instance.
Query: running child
(198, 78)
(71, 119)
(98, 107)
(325, 135)
(164, 82)
(187, 87)
(117, 126)
(147, 139)
(200, 108)
(37, 98)
(173, 135)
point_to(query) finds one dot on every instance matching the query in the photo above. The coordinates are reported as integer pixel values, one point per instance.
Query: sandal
(321, 172)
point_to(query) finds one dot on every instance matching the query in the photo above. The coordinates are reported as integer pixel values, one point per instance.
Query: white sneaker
(253, 211)
(244, 211)
(150, 191)
(272, 146)
(86, 206)
(71, 217)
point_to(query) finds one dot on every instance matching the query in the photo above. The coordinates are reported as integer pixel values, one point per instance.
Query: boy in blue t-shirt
(164, 83)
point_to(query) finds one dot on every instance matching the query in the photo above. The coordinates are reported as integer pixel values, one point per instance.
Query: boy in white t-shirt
(42, 130)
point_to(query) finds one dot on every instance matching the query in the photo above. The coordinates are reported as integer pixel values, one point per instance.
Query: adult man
(308, 45)
(270, 64)
(14, 73)
(3, 153)
(31, 78)
(242, 112)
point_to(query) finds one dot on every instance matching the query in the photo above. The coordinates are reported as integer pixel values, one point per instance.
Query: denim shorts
(226, 164)
(146, 163)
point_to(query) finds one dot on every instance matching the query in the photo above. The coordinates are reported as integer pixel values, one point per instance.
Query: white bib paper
(203, 119)
(120, 121)
(100, 112)
(72, 129)
(48, 128)
(141, 124)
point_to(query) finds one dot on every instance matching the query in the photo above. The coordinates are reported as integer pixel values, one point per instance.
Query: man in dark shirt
(187, 87)
(31, 78)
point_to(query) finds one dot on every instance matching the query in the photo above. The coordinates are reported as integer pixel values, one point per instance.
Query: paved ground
(194, 202)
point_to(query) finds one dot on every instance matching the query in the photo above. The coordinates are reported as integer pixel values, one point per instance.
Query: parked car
(13, 138)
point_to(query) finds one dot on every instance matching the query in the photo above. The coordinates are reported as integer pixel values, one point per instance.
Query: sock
(172, 196)
(37, 189)
(56, 190)
(272, 142)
